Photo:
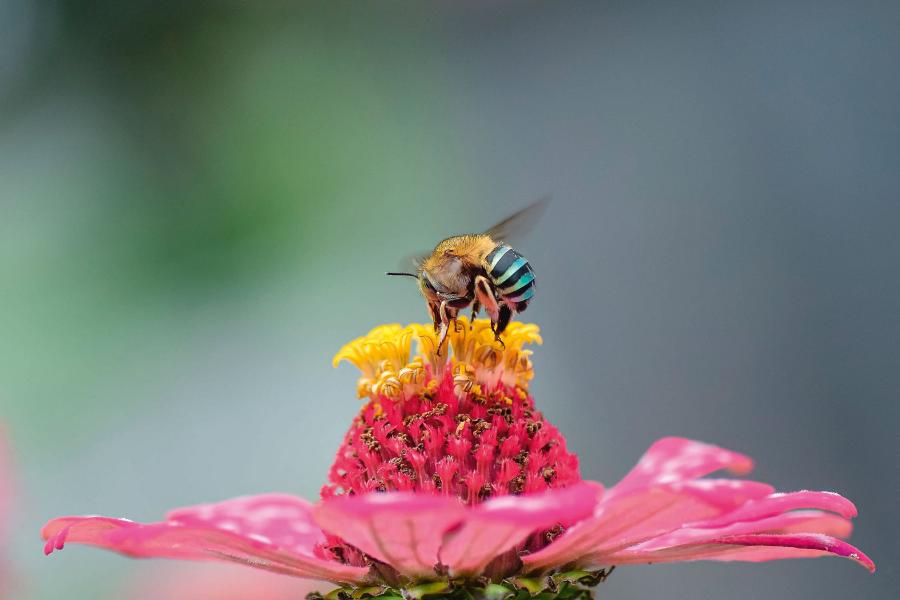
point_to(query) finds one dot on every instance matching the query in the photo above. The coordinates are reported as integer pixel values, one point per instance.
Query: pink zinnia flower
(449, 478)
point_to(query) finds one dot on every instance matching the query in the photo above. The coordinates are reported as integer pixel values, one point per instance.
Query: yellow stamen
(386, 343)
(472, 354)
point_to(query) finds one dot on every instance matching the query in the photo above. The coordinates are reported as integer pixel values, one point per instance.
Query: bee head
(429, 286)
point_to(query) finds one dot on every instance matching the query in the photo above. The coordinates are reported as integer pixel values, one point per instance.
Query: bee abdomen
(511, 275)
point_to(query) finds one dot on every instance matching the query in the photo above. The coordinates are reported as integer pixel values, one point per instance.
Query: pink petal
(285, 521)
(661, 512)
(402, 529)
(499, 524)
(798, 521)
(752, 548)
(762, 516)
(808, 541)
(778, 503)
(724, 495)
(258, 531)
(629, 519)
(813, 521)
(816, 522)
(673, 459)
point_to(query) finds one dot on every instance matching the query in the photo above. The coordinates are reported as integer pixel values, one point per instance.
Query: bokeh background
(198, 202)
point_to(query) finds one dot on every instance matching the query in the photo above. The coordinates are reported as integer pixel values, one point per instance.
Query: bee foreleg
(475, 308)
(435, 316)
(446, 314)
(442, 337)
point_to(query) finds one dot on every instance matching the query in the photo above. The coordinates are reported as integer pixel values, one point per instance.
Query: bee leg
(499, 313)
(485, 296)
(502, 322)
(475, 308)
(445, 318)
(435, 316)
(497, 335)
(442, 337)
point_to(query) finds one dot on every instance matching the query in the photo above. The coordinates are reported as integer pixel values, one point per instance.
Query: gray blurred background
(199, 202)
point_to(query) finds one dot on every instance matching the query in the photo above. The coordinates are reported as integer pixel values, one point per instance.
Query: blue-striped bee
(478, 270)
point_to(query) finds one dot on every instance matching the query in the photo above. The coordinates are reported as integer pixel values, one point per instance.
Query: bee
(480, 270)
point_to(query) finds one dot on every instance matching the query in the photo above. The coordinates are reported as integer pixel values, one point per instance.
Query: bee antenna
(402, 274)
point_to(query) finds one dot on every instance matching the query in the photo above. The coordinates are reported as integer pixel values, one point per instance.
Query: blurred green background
(199, 201)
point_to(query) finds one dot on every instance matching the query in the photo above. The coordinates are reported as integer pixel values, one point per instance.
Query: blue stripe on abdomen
(497, 254)
(519, 283)
(511, 274)
(521, 297)
(517, 264)
(501, 262)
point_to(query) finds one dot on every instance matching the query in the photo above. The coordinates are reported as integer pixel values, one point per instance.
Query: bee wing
(520, 222)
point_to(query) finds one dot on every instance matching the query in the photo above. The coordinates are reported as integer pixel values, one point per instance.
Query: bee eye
(427, 282)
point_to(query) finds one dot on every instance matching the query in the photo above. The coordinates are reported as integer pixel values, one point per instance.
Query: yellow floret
(388, 344)
(471, 352)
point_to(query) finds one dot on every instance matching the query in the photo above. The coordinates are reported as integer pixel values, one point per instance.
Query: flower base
(571, 585)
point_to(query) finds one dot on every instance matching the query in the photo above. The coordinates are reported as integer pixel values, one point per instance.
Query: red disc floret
(472, 444)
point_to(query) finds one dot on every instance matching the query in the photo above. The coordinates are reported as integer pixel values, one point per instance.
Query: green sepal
(532, 585)
(425, 589)
(374, 591)
(568, 585)
(495, 591)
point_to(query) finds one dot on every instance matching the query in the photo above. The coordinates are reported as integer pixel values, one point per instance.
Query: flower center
(461, 425)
